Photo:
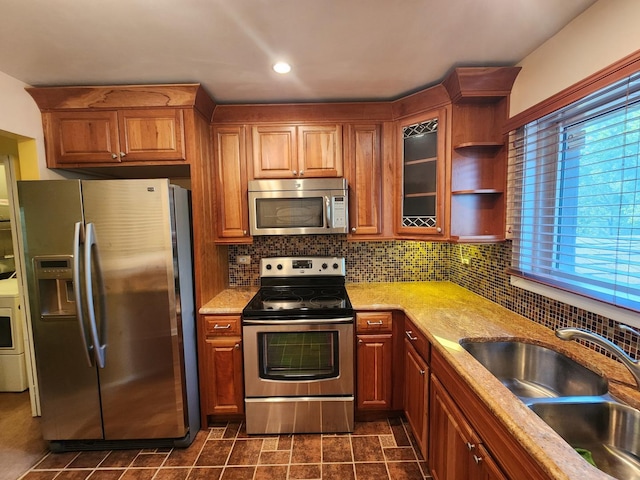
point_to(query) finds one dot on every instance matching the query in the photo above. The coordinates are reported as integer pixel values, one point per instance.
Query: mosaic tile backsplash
(407, 261)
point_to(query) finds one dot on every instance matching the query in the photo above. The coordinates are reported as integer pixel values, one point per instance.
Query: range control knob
(268, 266)
(279, 267)
(325, 266)
(335, 266)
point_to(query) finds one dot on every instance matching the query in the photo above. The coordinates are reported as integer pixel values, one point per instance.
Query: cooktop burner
(300, 288)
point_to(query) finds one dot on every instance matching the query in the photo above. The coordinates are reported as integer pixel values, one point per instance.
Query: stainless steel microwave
(298, 207)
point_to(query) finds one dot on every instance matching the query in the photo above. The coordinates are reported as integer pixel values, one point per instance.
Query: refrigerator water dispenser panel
(54, 280)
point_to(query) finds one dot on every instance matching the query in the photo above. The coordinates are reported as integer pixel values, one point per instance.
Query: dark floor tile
(275, 457)
(109, 474)
(305, 471)
(139, 474)
(401, 453)
(377, 427)
(271, 472)
(205, 473)
(40, 475)
(56, 460)
(88, 459)
(285, 442)
(184, 457)
(245, 452)
(77, 474)
(367, 449)
(306, 449)
(232, 430)
(337, 471)
(238, 473)
(400, 435)
(119, 458)
(149, 460)
(404, 471)
(172, 474)
(215, 453)
(371, 471)
(336, 449)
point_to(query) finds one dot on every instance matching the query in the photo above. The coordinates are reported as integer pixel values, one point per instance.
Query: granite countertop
(447, 313)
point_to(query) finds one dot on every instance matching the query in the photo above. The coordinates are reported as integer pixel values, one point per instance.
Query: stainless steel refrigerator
(109, 272)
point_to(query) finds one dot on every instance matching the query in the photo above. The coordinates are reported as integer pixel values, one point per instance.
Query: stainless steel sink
(609, 430)
(534, 372)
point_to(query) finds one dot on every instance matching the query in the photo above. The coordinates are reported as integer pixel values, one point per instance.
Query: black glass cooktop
(302, 301)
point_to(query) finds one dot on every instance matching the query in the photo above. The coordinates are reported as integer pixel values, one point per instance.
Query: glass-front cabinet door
(421, 182)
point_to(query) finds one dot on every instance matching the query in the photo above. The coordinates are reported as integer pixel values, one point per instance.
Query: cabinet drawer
(222, 325)
(374, 321)
(417, 339)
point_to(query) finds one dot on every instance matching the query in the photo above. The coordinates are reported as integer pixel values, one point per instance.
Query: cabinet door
(151, 135)
(83, 137)
(374, 360)
(416, 391)
(320, 151)
(275, 153)
(420, 185)
(363, 171)
(231, 182)
(225, 393)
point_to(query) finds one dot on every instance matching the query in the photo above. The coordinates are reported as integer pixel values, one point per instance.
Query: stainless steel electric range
(298, 348)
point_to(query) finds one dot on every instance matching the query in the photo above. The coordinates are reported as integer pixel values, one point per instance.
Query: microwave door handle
(327, 209)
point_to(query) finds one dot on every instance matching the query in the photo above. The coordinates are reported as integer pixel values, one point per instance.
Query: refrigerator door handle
(94, 261)
(78, 236)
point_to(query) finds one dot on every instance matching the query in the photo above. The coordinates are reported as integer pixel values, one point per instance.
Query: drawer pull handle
(237, 346)
(220, 327)
(410, 335)
(369, 322)
(422, 372)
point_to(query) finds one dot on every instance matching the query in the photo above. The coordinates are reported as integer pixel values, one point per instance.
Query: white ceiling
(339, 49)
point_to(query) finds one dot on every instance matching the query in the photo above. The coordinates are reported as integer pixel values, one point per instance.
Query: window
(574, 206)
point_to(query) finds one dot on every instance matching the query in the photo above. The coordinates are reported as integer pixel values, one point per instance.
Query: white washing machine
(13, 372)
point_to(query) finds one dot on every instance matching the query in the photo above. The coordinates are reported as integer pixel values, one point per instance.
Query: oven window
(5, 332)
(289, 212)
(298, 355)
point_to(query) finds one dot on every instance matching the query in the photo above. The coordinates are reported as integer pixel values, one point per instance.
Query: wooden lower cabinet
(222, 384)
(455, 449)
(466, 439)
(416, 395)
(374, 360)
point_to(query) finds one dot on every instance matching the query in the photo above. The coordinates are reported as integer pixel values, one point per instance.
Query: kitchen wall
(406, 261)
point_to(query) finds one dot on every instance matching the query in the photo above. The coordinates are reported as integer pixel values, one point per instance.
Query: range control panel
(292, 266)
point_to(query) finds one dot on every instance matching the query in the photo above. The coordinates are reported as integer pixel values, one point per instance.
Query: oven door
(298, 359)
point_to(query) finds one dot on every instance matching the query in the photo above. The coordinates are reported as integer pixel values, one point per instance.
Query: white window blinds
(574, 188)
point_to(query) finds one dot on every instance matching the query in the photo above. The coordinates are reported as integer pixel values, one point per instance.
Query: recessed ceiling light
(282, 67)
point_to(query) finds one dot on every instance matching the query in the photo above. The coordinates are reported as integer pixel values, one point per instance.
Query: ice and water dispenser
(54, 280)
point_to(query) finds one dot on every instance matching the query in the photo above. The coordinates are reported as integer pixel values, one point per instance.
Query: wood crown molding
(123, 96)
(608, 75)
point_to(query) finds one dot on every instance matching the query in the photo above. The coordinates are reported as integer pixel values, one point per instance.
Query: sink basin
(533, 371)
(609, 430)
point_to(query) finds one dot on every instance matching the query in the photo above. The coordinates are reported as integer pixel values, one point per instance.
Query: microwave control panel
(339, 210)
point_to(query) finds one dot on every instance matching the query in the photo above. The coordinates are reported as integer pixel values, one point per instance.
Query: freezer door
(68, 383)
(142, 379)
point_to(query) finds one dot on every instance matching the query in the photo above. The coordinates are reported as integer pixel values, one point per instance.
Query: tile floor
(374, 451)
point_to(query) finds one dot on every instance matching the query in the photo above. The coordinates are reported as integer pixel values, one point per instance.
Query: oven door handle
(297, 321)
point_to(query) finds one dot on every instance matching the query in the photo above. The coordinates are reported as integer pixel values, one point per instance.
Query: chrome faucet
(570, 333)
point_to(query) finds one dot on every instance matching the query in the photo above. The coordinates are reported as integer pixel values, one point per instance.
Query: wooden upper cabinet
(109, 136)
(363, 171)
(421, 174)
(82, 137)
(320, 151)
(149, 135)
(275, 153)
(290, 151)
(232, 212)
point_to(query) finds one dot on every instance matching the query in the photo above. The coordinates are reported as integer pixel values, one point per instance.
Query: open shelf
(461, 147)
